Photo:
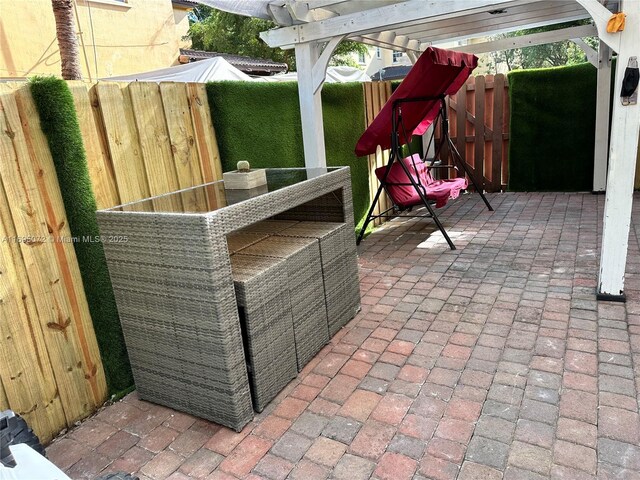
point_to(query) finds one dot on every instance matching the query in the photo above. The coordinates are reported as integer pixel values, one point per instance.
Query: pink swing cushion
(404, 196)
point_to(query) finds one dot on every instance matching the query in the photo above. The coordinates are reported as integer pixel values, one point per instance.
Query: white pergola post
(307, 55)
(312, 60)
(625, 131)
(601, 153)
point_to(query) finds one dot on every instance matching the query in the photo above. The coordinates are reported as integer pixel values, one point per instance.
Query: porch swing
(418, 103)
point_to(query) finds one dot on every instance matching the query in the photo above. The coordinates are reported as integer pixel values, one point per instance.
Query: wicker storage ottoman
(302, 256)
(339, 268)
(268, 227)
(236, 241)
(267, 325)
(183, 353)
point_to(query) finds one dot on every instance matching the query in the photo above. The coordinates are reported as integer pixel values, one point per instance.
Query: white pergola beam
(625, 133)
(485, 30)
(404, 45)
(601, 152)
(393, 41)
(307, 55)
(279, 15)
(380, 19)
(601, 15)
(515, 18)
(591, 53)
(529, 40)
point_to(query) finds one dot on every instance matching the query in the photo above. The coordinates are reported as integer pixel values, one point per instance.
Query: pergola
(315, 27)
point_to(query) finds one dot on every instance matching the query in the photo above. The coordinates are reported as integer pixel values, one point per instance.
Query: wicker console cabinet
(170, 267)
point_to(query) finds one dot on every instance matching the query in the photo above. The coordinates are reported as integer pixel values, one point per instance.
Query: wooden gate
(479, 127)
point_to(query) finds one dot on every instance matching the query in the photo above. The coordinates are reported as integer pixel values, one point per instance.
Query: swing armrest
(443, 166)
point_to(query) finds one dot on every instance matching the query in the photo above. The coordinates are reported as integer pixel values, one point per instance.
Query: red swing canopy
(437, 72)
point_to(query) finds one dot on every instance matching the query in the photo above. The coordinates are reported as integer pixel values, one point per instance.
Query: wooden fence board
(205, 138)
(18, 288)
(98, 160)
(371, 159)
(383, 94)
(148, 114)
(4, 401)
(376, 95)
(32, 218)
(185, 152)
(26, 378)
(461, 121)
(122, 139)
(81, 325)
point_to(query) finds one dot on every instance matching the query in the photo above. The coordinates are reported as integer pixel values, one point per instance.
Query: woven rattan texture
(236, 241)
(339, 268)
(178, 313)
(176, 298)
(265, 313)
(304, 283)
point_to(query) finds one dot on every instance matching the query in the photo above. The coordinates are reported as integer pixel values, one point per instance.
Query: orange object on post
(616, 22)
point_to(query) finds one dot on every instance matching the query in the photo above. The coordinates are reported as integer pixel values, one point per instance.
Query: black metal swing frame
(396, 154)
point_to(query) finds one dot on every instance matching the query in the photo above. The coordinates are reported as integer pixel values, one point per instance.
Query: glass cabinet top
(214, 196)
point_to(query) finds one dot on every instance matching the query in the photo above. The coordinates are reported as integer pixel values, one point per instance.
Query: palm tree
(67, 39)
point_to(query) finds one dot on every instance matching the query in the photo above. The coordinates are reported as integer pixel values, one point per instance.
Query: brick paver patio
(492, 361)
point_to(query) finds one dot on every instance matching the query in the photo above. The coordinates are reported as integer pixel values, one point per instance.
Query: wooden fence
(141, 139)
(479, 127)
(145, 139)
(376, 95)
(50, 367)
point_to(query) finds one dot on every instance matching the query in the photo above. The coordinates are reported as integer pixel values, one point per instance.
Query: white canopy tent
(207, 70)
(340, 74)
(315, 28)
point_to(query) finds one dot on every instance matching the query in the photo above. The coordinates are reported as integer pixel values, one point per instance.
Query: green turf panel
(59, 123)
(551, 139)
(260, 122)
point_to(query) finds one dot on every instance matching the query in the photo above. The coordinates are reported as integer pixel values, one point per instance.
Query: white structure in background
(379, 58)
(208, 70)
(341, 74)
(314, 29)
(218, 69)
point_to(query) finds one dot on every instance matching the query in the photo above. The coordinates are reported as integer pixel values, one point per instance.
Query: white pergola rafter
(518, 17)
(412, 12)
(413, 25)
(529, 40)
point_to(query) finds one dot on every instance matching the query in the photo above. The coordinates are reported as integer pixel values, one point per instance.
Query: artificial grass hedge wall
(59, 123)
(260, 122)
(551, 139)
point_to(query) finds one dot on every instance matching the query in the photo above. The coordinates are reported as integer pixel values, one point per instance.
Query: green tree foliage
(216, 31)
(541, 56)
